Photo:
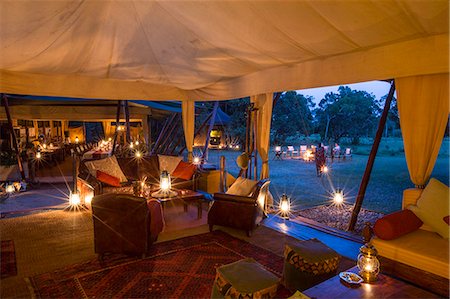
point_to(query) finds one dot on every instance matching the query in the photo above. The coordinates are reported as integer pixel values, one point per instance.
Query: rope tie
(420, 186)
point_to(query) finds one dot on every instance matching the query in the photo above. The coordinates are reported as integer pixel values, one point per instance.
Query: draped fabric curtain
(188, 115)
(423, 104)
(264, 103)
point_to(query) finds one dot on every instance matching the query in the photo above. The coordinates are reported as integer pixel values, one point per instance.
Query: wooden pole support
(208, 133)
(13, 136)
(371, 160)
(223, 175)
(119, 103)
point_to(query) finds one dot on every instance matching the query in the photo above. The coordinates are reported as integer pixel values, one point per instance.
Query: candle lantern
(368, 263)
(164, 181)
(38, 154)
(10, 188)
(138, 154)
(196, 160)
(278, 148)
(285, 206)
(77, 140)
(338, 197)
(74, 199)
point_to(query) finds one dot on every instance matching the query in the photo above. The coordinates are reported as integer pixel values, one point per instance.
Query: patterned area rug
(182, 268)
(8, 259)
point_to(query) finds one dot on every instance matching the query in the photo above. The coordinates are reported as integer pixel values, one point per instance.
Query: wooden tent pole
(208, 133)
(13, 136)
(371, 160)
(127, 121)
(276, 98)
(119, 103)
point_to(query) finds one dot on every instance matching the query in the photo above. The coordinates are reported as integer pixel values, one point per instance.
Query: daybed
(420, 256)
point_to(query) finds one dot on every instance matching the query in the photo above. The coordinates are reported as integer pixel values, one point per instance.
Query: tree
(291, 116)
(349, 112)
(393, 120)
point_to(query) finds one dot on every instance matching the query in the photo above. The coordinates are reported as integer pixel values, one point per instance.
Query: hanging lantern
(285, 206)
(164, 181)
(368, 263)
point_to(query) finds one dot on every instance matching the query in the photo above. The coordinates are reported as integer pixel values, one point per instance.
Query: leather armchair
(242, 212)
(125, 224)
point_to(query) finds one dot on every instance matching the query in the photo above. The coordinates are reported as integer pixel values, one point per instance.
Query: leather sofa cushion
(108, 179)
(397, 224)
(108, 165)
(129, 167)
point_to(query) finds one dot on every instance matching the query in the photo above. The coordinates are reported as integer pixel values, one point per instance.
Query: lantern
(131, 145)
(368, 264)
(285, 206)
(38, 154)
(137, 142)
(74, 199)
(278, 148)
(77, 140)
(196, 160)
(10, 188)
(325, 169)
(109, 139)
(164, 181)
(44, 146)
(138, 154)
(338, 197)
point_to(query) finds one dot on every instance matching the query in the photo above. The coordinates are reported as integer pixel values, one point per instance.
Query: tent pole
(13, 135)
(208, 133)
(116, 132)
(371, 160)
(127, 121)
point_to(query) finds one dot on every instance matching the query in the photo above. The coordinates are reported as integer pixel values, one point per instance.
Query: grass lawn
(298, 179)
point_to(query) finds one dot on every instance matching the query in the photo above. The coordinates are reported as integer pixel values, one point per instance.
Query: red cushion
(446, 219)
(397, 224)
(108, 179)
(184, 170)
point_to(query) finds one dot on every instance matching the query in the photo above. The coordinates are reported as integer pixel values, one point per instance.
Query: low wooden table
(384, 287)
(186, 196)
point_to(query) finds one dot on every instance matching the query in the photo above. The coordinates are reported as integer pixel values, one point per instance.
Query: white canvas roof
(205, 50)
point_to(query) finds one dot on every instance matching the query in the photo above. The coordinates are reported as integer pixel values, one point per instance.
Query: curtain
(188, 114)
(423, 107)
(264, 103)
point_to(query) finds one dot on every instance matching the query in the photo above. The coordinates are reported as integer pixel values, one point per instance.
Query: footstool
(244, 279)
(307, 263)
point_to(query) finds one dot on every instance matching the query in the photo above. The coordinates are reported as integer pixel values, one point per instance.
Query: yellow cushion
(242, 187)
(432, 206)
(420, 249)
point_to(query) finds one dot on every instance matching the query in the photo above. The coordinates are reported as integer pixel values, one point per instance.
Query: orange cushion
(108, 179)
(184, 170)
(397, 224)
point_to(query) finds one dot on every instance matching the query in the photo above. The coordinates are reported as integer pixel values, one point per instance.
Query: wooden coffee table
(186, 196)
(384, 287)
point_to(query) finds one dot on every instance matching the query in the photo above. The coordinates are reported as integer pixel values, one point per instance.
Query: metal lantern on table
(368, 263)
(285, 206)
(164, 181)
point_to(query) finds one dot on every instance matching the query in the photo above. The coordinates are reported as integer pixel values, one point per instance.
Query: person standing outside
(320, 159)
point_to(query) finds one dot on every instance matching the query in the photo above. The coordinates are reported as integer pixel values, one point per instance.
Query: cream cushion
(109, 166)
(432, 206)
(420, 249)
(168, 163)
(242, 187)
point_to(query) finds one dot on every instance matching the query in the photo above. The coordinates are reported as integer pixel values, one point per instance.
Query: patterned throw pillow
(108, 165)
(168, 163)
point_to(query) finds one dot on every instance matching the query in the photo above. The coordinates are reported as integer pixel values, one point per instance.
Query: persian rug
(8, 259)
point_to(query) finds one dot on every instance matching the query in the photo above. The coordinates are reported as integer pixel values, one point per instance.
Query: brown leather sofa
(135, 170)
(125, 224)
(241, 212)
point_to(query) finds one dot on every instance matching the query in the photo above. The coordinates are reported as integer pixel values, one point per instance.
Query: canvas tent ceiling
(204, 50)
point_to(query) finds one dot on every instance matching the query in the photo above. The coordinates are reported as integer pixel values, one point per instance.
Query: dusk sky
(377, 88)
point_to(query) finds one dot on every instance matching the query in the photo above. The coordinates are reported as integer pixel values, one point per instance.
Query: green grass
(384, 193)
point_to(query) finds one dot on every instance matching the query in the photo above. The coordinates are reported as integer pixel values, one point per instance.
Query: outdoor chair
(348, 153)
(241, 212)
(291, 150)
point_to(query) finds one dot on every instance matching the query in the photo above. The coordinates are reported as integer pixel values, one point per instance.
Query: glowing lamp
(44, 146)
(138, 154)
(74, 199)
(196, 160)
(325, 169)
(137, 142)
(38, 155)
(88, 197)
(285, 206)
(238, 146)
(77, 140)
(220, 146)
(10, 189)
(230, 146)
(109, 139)
(338, 197)
(368, 263)
(131, 145)
(164, 181)
(278, 148)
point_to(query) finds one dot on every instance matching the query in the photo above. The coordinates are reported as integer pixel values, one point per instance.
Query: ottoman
(307, 263)
(244, 279)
